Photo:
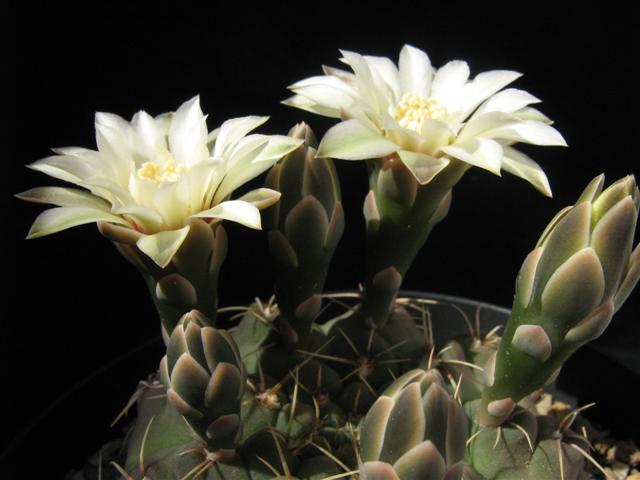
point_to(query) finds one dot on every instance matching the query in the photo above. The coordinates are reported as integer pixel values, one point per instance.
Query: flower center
(167, 173)
(413, 110)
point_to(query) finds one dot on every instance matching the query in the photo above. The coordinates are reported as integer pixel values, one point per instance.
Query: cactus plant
(316, 385)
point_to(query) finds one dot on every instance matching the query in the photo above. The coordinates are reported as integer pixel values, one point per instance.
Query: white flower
(427, 116)
(154, 174)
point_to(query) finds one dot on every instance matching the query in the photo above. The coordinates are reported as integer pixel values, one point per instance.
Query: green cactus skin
(399, 213)
(304, 230)
(567, 291)
(190, 281)
(378, 403)
(205, 379)
(415, 430)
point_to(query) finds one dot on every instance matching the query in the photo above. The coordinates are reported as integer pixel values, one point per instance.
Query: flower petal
(368, 89)
(423, 167)
(530, 131)
(329, 92)
(254, 162)
(509, 101)
(448, 83)
(64, 197)
(483, 86)
(244, 213)
(60, 218)
(351, 140)
(233, 130)
(435, 134)
(304, 103)
(520, 165)
(65, 167)
(480, 152)
(150, 139)
(261, 197)
(162, 246)
(146, 218)
(386, 70)
(415, 71)
(188, 134)
(484, 125)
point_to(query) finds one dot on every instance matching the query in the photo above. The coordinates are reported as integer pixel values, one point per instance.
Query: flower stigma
(412, 111)
(170, 172)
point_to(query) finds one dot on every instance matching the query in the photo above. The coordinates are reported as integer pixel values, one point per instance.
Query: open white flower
(154, 174)
(427, 116)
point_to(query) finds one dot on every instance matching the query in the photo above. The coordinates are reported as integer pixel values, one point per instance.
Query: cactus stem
(593, 461)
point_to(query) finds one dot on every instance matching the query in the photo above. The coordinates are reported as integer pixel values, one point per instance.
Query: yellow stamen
(167, 173)
(412, 111)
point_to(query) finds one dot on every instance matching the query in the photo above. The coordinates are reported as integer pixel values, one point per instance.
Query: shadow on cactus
(369, 384)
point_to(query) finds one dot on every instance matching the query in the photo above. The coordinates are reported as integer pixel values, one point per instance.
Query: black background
(72, 305)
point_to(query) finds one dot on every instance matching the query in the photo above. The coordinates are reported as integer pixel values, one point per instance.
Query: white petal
(448, 84)
(530, 131)
(233, 130)
(162, 246)
(347, 77)
(508, 101)
(484, 125)
(188, 134)
(261, 197)
(64, 197)
(254, 162)
(519, 164)
(530, 113)
(60, 218)
(171, 200)
(65, 167)
(387, 71)
(484, 85)
(244, 213)
(114, 138)
(329, 92)
(146, 218)
(150, 139)
(109, 190)
(278, 147)
(480, 152)
(423, 167)
(304, 103)
(405, 138)
(368, 88)
(351, 140)
(415, 71)
(435, 134)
